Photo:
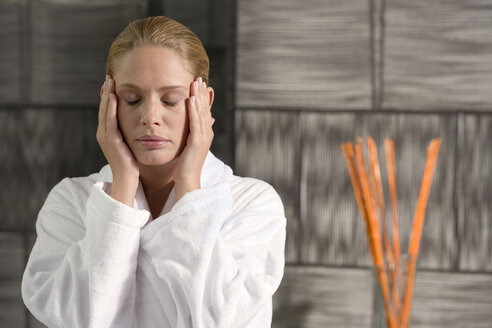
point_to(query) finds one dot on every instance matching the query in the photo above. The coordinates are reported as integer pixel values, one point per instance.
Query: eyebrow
(169, 87)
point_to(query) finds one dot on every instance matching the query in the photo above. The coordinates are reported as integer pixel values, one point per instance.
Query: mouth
(152, 141)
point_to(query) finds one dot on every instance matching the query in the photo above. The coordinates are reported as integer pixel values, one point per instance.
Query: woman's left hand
(188, 168)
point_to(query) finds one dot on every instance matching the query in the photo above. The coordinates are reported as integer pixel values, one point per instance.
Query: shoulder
(255, 194)
(73, 191)
(247, 193)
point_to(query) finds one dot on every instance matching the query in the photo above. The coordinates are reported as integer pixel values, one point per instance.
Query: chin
(154, 159)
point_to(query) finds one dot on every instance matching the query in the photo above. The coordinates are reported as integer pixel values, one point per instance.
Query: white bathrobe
(212, 259)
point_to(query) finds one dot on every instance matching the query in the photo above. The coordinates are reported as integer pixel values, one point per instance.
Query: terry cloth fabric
(212, 259)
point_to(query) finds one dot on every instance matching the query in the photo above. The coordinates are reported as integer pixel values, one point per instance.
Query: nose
(150, 114)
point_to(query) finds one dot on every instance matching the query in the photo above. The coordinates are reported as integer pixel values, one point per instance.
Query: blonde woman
(164, 235)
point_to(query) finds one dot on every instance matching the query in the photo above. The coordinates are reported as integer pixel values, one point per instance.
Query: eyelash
(170, 104)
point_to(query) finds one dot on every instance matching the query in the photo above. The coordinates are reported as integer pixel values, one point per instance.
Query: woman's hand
(189, 166)
(120, 158)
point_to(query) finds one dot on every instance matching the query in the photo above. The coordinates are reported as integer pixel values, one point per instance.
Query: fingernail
(200, 79)
(107, 77)
(192, 98)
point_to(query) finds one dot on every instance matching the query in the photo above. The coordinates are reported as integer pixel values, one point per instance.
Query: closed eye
(167, 103)
(170, 104)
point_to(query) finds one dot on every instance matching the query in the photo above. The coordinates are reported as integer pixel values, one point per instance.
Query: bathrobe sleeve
(81, 271)
(218, 255)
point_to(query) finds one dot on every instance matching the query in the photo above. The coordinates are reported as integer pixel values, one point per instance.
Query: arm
(81, 271)
(221, 259)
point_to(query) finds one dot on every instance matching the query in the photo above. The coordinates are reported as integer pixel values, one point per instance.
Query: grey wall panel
(412, 134)
(43, 147)
(32, 322)
(221, 146)
(219, 13)
(475, 196)
(70, 42)
(333, 232)
(437, 55)
(454, 300)
(297, 54)
(194, 14)
(10, 56)
(264, 150)
(11, 267)
(323, 297)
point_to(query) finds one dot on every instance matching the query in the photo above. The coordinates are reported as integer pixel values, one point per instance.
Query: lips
(152, 141)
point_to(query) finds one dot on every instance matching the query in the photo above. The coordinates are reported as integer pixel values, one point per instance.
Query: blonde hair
(164, 32)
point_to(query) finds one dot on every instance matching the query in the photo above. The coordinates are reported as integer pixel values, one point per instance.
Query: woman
(164, 235)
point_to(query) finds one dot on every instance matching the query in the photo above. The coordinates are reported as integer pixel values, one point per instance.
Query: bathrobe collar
(213, 172)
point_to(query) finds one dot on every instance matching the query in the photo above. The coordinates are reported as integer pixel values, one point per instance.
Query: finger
(198, 91)
(202, 108)
(112, 113)
(105, 98)
(206, 103)
(102, 104)
(194, 88)
(113, 84)
(194, 119)
(108, 92)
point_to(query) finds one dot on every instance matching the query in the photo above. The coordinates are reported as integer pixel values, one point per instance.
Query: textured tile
(43, 147)
(12, 259)
(70, 41)
(412, 134)
(266, 149)
(323, 297)
(297, 54)
(194, 14)
(222, 143)
(332, 231)
(219, 14)
(10, 57)
(437, 55)
(453, 300)
(32, 322)
(475, 194)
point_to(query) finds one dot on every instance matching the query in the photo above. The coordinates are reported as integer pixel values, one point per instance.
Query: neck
(157, 178)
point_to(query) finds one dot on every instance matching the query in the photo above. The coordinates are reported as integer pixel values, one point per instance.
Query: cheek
(124, 120)
(180, 121)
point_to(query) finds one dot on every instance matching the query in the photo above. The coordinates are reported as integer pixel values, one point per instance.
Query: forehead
(152, 66)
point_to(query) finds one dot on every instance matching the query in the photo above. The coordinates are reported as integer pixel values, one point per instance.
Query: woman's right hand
(120, 158)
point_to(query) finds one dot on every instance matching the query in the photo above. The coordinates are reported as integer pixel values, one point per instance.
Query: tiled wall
(52, 62)
(313, 74)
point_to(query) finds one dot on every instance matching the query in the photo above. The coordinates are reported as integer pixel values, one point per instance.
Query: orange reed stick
(418, 222)
(378, 186)
(389, 147)
(374, 235)
(348, 154)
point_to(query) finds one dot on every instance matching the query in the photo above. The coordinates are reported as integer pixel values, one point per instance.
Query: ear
(211, 95)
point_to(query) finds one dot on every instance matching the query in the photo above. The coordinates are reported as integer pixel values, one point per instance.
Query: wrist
(184, 187)
(124, 191)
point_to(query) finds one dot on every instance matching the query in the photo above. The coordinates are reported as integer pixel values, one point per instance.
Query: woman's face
(152, 86)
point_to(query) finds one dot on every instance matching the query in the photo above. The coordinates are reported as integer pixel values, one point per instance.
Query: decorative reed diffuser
(397, 283)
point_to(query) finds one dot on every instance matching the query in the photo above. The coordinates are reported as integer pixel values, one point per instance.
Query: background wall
(293, 80)
(313, 74)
